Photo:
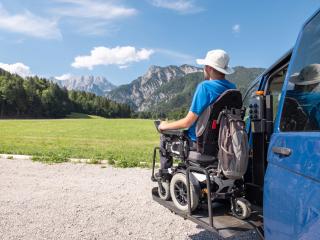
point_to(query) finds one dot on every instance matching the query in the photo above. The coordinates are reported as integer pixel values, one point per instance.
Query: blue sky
(120, 39)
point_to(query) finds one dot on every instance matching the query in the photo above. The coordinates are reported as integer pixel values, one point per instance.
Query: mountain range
(164, 89)
(160, 89)
(140, 93)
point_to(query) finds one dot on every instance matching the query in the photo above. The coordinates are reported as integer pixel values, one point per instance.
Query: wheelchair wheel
(164, 190)
(241, 209)
(178, 191)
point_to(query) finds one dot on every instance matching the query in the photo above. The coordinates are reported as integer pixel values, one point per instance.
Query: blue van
(282, 115)
(291, 191)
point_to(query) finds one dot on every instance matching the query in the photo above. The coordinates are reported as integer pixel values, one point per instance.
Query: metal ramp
(223, 223)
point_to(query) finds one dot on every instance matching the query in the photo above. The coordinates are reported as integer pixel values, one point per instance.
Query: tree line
(35, 97)
(171, 115)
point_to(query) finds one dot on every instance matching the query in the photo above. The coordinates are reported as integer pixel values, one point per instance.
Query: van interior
(273, 82)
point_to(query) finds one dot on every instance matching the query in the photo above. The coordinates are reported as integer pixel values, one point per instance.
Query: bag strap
(223, 112)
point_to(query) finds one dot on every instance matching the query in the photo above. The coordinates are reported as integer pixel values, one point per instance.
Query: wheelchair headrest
(231, 98)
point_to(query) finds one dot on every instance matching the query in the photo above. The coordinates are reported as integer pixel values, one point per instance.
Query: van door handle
(282, 151)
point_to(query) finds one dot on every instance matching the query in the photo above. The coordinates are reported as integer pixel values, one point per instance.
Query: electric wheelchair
(197, 181)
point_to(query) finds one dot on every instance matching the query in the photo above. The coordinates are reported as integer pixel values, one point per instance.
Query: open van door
(292, 181)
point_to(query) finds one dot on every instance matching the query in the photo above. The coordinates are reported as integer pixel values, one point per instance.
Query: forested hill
(180, 91)
(36, 97)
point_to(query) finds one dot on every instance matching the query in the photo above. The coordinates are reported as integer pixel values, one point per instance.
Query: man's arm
(185, 122)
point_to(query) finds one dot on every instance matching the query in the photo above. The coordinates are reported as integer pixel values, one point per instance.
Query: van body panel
(291, 205)
(292, 181)
(305, 157)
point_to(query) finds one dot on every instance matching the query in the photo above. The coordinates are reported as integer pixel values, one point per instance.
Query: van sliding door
(292, 181)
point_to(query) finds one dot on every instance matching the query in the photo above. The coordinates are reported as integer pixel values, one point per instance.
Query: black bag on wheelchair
(233, 144)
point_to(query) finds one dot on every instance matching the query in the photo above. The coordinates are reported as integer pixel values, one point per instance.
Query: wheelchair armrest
(175, 132)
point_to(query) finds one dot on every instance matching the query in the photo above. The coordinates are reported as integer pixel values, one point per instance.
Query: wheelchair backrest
(207, 129)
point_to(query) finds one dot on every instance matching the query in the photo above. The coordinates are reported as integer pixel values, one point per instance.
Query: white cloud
(93, 27)
(112, 56)
(181, 57)
(123, 66)
(93, 17)
(94, 9)
(236, 28)
(64, 76)
(29, 24)
(181, 6)
(17, 68)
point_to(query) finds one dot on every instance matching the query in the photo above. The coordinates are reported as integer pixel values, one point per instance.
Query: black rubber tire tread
(245, 207)
(166, 195)
(194, 187)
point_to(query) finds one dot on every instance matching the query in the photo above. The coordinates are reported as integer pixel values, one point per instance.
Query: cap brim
(226, 71)
(295, 79)
(304, 83)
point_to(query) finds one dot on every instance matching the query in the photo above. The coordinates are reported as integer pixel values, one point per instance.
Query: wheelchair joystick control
(157, 124)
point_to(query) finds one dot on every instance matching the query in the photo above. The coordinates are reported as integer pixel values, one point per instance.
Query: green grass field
(123, 142)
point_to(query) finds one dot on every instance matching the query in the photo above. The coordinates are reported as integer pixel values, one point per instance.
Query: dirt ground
(83, 201)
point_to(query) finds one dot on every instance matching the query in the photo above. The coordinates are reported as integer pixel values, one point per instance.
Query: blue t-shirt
(206, 93)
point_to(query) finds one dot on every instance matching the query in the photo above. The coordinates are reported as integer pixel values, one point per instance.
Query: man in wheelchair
(215, 69)
(215, 131)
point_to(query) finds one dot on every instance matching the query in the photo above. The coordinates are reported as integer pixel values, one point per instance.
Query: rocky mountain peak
(94, 84)
(165, 74)
(189, 69)
(139, 92)
(152, 70)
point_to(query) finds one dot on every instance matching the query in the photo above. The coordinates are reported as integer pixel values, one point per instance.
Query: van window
(275, 84)
(301, 110)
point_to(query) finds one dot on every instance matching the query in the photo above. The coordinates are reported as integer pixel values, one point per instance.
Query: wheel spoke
(180, 192)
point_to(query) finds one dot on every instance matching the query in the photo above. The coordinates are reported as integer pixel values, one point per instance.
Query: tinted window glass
(301, 110)
(275, 88)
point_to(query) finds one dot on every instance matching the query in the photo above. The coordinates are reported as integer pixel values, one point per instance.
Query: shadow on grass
(74, 115)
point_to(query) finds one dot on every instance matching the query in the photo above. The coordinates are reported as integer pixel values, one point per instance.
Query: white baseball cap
(218, 59)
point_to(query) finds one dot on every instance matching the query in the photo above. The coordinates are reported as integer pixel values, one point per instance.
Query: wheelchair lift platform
(224, 224)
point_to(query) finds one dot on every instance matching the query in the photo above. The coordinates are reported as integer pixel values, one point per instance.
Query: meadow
(123, 142)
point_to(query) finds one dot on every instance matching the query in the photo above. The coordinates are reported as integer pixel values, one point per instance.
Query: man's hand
(162, 125)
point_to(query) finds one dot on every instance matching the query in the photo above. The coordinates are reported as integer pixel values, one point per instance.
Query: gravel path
(82, 201)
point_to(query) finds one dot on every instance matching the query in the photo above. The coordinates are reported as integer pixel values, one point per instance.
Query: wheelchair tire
(242, 210)
(164, 190)
(178, 191)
